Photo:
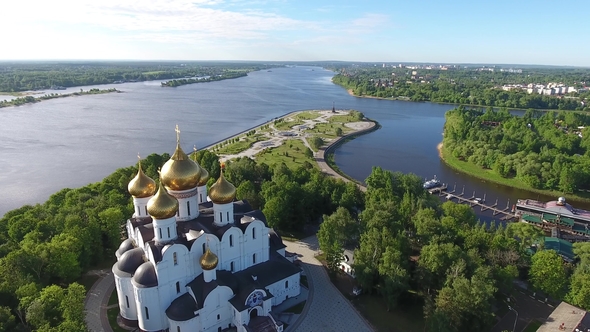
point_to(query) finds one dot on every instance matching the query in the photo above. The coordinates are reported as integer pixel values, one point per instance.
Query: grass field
(288, 123)
(242, 145)
(292, 153)
(309, 115)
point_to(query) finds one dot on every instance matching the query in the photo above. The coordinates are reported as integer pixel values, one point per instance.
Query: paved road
(327, 310)
(96, 302)
(528, 309)
(320, 155)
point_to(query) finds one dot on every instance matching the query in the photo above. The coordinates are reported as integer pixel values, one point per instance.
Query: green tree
(547, 273)
(7, 320)
(579, 292)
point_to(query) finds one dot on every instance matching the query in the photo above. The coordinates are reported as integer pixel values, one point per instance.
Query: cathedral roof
(183, 308)
(145, 276)
(124, 247)
(141, 185)
(129, 262)
(276, 242)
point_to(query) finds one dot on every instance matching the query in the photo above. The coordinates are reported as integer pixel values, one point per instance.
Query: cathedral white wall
(164, 229)
(217, 305)
(223, 213)
(190, 325)
(188, 206)
(152, 319)
(169, 273)
(231, 248)
(202, 194)
(125, 296)
(140, 206)
(256, 242)
(281, 292)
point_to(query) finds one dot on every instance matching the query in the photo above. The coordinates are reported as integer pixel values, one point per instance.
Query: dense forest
(412, 249)
(467, 86)
(544, 150)
(223, 76)
(25, 76)
(46, 248)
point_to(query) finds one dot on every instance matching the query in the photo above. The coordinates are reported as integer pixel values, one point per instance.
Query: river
(70, 142)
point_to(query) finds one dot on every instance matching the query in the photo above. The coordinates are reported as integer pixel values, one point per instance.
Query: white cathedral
(197, 260)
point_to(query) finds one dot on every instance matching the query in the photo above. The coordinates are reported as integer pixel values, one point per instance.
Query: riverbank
(30, 99)
(490, 176)
(350, 92)
(328, 151)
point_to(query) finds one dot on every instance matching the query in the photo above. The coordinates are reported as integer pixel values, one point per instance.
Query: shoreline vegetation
(477, 86)
(30, 99)
(224, 76)
(487, 175)
(29, 77)
(543, 153)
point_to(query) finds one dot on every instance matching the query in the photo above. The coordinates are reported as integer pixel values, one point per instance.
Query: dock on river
(507, 213)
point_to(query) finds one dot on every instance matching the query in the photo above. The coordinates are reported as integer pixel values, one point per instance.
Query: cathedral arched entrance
(254, 312)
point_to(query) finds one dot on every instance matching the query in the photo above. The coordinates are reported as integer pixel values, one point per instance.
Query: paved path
(326, 310)
(320, 155)
(96, 303)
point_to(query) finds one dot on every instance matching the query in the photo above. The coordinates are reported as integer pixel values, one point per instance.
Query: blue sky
(452, 31)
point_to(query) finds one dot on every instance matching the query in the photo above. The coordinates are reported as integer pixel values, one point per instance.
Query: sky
(437, 31)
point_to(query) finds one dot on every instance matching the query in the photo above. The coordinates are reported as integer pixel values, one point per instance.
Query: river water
(70, 142)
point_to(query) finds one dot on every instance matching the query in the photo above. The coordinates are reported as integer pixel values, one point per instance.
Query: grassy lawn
(308, 115)
(491, 176)
(113, 299)
(303, 281)
(242, 145)
(296, 309)
(112, 315)
(342, 119)
(291, 152)
(288, 123)
(533, 326)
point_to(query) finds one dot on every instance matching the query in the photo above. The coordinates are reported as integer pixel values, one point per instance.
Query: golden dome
(180, 172)
(162, 205)
(222, 192)
(204, 177)
(209, 260)
(141, 185)
(204, 174)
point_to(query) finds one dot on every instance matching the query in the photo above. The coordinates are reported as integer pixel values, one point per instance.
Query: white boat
(433, 183)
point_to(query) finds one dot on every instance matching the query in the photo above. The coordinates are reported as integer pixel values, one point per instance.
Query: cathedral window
(160, 231)
(146, 213)
(168, 229)
(228, 217)
(175, 258)
(231, 240)
(286, 283)
(231, 266)
(178, 287)
(218, 316)
(178, 329)
(204, 248)
(200, 197)
(220, 217)
(253, 232)
(254, 259)
(188, 208)
(127, 300)
(147, 313)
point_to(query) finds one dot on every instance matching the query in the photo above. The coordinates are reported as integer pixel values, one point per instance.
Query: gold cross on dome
(177, 134)
(138, 156)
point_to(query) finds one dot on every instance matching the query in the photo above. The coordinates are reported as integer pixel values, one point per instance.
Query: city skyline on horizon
(458, 32)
